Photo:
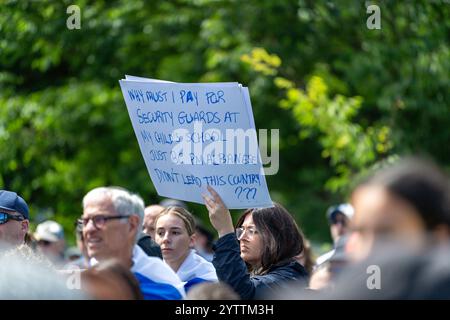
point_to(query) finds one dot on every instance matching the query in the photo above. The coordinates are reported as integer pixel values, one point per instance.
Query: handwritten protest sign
(195, 134)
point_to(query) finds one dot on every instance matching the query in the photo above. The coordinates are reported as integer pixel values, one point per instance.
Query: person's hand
(219, 215)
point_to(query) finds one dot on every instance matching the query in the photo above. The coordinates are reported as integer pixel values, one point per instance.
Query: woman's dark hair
(421, 183)
(282, 239)
(307, 254)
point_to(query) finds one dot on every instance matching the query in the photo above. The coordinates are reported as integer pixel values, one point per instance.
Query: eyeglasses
(5, 217)
(99, 221)
(240, 232)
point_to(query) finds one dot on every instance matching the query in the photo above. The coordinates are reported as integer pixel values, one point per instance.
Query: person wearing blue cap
(339, 218)
(14, 219)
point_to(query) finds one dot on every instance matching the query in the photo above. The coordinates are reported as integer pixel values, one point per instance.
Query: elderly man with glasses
(14, 215)
(112, 221)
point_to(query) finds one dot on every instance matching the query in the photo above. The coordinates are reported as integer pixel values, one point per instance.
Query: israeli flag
(156, 279)
(196, 269)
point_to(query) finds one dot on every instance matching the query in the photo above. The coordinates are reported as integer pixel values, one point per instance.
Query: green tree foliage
(344, 97)
(346, 143)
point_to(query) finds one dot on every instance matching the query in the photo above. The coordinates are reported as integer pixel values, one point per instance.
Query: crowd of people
(390, 241)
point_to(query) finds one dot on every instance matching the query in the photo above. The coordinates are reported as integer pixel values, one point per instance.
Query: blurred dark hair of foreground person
(408, 202)
(110, 280)
(400, 239)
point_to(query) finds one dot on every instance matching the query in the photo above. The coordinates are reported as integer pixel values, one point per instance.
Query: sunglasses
(5, 217)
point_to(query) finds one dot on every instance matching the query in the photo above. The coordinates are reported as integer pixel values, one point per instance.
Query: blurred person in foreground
(401, 233)
(14, 219)
(407, 202)
(112, 220)
(49, 237)
(258, 257)
(28, 275)
(212, 291)
(400, 236)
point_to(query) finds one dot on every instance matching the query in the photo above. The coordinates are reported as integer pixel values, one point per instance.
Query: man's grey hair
(124, 202)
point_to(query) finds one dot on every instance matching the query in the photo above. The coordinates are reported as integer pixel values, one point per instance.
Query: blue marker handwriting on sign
(215, 180)
(146, 136)
(247, 193)
(182, 133)
(230, 117)
(136, 95)
(163, 138)
(203, 137)
(165, 176)
(188, 96)
(245, 178)
(158, 155)
(156, 96)
(205, 117)
(191, 179)
(146, 117)
(215, 97)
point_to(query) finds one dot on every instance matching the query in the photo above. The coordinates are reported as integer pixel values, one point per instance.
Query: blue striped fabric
(156, 279)
(152, 290)
(196, 269)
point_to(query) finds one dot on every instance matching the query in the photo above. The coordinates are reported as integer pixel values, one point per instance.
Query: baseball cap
(345, 208)
(12, 201)
(49, 231)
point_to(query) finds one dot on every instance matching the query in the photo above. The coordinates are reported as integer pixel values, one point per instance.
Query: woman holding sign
(258, 257)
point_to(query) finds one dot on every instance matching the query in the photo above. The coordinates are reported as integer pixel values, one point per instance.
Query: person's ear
(192, 240)
(134, 225)
(25, 224)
